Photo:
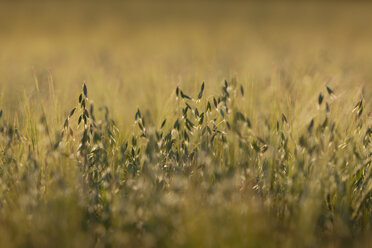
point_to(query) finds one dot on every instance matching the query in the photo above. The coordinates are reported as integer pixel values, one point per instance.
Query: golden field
(274, 150)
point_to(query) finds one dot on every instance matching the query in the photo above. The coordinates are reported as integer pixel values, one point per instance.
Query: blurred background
(135, 54)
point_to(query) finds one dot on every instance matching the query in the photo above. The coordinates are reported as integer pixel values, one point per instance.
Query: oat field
(185, 124)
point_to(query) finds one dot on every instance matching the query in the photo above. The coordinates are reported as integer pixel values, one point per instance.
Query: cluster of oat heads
(205, 162)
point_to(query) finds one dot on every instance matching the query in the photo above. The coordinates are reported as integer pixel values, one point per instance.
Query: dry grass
(273, 150)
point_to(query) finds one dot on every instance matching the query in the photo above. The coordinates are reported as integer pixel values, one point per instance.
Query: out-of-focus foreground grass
(297, 173)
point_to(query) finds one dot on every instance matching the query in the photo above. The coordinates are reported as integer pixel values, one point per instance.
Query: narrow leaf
(320, 99)
(85, 90)
(72, 112)
(163, 123)
(185, 96)
(330, 91)
(201, 91)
